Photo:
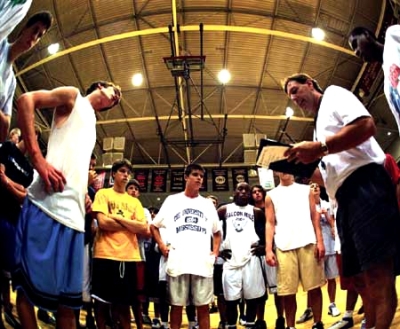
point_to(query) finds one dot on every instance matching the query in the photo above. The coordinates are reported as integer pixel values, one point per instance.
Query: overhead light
(389, 133)
(289, 112)
(158, 199)
(318, 34)
(137, 79)
(53, 48)
(224, 76)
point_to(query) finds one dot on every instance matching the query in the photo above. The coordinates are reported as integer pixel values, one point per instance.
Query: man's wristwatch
(324, 148)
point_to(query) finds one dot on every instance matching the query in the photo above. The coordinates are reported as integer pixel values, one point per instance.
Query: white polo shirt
(339, 107)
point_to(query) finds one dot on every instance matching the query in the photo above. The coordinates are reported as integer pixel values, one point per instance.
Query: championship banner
(220, 179)
(177, 180)
(159, 180)
(142, 176)
(239, 175)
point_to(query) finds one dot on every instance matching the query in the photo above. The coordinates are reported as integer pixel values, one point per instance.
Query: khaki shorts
(298, 265)
(191, 289)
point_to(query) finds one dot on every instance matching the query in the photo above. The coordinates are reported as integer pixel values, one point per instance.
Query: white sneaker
(333, 310)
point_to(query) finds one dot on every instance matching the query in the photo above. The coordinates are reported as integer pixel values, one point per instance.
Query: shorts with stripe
(118, 282)
(49, 260)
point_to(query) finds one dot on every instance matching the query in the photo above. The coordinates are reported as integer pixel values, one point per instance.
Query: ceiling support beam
(215, 116)
(239, 29)
(180, 95)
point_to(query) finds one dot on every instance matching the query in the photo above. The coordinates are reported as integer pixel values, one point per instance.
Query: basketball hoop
(183, 65)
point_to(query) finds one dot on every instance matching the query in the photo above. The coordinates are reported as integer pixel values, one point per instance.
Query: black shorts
(217, 277)
(152, 271)
(368, 219)
(118, 282)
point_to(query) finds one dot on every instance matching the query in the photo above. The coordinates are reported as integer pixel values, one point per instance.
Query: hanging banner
(239, 175)
(220, 179)
(142, 176)
(177, 180)
(159, 180)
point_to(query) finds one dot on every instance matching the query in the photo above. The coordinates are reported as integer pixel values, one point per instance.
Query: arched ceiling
(258, 41)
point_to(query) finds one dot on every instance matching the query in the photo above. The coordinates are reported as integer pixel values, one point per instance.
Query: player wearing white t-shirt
(292, 220)
(34, 29)
(242, 276)
(190, 220)
(353, 173)
(369, 49)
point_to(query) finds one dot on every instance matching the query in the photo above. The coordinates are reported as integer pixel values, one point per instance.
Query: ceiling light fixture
(318, 34)
(289, 112)
(137, 79)
(224, 76)
(53, 48)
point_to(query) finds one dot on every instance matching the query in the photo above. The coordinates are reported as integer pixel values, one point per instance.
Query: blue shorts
(49, 260)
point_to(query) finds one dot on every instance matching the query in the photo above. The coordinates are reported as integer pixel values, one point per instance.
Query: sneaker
(280, 323)
(155, 324)
(307, 315)
(90, 322)
(345, 323)
(333, 310)
(221, 325)
(46, 317)
(213, 309)
(363, 324)
(260, 324)
(146, 319)
(318, 325)
(242, 320)
(11, 320)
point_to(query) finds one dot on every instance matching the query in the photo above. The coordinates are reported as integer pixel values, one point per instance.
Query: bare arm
(351, 135)
(155, 231)
(269, 223)
(133, 226)
(108, 224)
(63, 99)
(4, 126)
(15, 189)
(216, 242)
(316, 221)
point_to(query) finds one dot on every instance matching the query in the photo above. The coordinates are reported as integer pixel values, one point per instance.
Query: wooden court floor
(270, 314)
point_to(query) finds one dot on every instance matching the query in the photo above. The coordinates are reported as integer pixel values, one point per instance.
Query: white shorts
(331, 267)
(186, 289)
(270, 273)
(246, 281)
(86, 297)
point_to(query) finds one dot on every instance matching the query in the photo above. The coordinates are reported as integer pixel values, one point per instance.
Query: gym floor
(270, 313)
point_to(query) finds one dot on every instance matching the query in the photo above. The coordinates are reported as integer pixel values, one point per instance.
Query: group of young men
(43, 224)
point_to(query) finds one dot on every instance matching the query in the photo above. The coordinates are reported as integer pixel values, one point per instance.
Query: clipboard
(270, 155)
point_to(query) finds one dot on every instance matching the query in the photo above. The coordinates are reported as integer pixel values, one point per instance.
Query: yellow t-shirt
(120, 245)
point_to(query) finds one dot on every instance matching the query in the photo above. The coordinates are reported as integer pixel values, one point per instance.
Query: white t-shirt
(68, 150)
(7, 79)
(190, 222)
(293, 228)
(240, 234)
(11, 14)
(391, 70)
(339, 107)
